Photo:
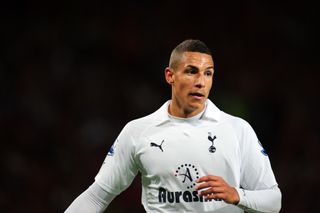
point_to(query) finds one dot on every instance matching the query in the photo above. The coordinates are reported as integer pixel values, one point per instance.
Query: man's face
(191, 81)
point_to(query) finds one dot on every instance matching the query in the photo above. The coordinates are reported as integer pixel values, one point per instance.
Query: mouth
(197, 95)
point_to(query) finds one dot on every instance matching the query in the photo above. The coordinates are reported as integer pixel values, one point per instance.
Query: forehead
(196, 59)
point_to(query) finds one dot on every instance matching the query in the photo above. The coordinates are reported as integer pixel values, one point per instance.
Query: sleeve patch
(263, 151)
(112, 149)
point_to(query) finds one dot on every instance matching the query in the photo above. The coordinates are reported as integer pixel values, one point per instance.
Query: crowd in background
(72, 75)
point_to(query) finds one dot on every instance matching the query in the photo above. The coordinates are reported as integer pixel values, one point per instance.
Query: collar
(212, 112)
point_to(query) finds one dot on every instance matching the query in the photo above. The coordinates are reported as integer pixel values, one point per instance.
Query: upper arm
(119, 167)
(256, 170)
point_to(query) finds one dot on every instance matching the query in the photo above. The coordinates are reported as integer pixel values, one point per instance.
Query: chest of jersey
(176, 155)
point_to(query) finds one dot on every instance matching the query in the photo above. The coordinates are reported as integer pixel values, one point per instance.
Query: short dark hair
(189, 45)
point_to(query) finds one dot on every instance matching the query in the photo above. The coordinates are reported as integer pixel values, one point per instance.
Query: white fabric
(260, 200)
(172, 153)
(94, 199)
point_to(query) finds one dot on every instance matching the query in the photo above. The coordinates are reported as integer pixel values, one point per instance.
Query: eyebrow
(194, 67)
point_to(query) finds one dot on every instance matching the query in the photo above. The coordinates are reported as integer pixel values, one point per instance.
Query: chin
(196, 106)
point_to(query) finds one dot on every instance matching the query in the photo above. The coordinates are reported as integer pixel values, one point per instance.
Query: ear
(168, 72)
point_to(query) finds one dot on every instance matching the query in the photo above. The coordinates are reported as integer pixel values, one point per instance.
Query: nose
(200, 81)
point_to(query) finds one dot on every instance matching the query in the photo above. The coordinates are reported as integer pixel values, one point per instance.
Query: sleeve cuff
(242, 198)
(242, 194)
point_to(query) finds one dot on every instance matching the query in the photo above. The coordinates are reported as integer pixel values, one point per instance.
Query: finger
(206, 192)
(216, 196)
(218, 189)
(212, 190)
(203, 186)
(207, 178)
(209, 199)
(208, 185)
(217, 183)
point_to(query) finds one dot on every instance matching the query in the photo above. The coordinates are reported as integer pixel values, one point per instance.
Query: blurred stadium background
(73, 74)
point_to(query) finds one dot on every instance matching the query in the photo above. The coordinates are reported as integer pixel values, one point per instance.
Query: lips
(197, 94)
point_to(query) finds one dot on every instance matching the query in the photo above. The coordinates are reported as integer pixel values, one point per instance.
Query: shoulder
(240, 126)
(139, 125)
(142, 122)
(244, 132)
(214, 113)
(235, 121)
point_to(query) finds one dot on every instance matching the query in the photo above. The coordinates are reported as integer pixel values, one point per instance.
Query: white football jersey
(172, 153)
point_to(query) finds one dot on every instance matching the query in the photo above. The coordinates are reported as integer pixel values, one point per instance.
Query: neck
(181, 112)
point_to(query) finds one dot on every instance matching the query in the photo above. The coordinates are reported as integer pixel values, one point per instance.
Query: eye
(191, 70)
(208, 73)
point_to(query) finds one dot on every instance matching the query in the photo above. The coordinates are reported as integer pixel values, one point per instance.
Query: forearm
(94, 199)
(268, 200)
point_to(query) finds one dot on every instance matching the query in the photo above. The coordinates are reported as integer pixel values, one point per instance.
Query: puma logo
(156, 145)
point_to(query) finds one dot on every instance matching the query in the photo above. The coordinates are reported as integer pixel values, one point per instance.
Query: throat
(184, 112)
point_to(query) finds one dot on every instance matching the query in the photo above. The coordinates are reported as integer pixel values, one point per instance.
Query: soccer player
(192, 156)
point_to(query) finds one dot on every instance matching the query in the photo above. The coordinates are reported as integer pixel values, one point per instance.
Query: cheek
(182, 89)
(184, 83)
(209, 85)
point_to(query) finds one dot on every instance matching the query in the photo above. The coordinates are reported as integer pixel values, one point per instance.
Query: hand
(216, 188)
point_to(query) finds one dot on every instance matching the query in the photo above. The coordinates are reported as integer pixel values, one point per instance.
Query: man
(192, 157)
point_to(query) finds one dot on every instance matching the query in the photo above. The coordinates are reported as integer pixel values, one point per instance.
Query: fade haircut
(189, 45)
